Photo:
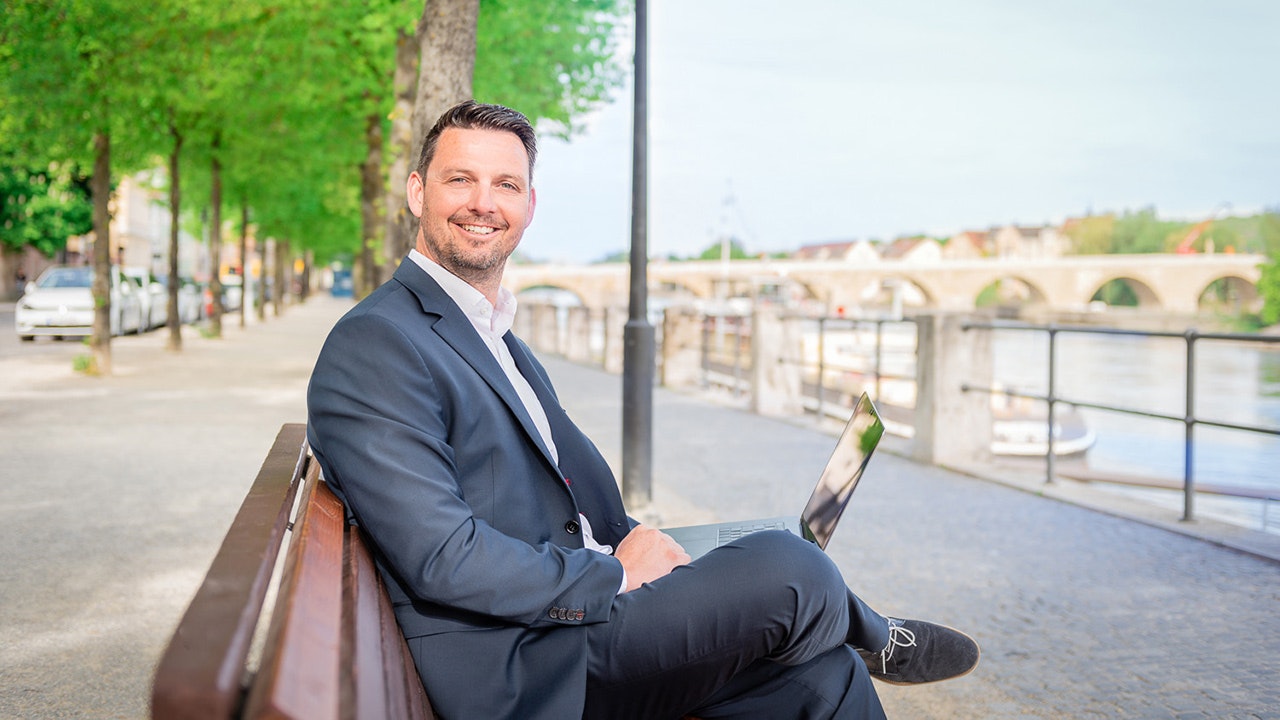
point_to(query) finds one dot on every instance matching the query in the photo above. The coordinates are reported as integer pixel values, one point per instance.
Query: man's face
(474, 203)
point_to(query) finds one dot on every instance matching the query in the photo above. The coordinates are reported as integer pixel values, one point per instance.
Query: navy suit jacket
(474, 526)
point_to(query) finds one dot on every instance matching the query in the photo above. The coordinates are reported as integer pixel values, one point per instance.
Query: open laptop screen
(844, 469)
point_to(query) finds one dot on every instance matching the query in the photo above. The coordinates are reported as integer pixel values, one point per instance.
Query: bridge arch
(896, 291)
(550, 294)
(1010, 291)
(1230, 293)
(1127, 291)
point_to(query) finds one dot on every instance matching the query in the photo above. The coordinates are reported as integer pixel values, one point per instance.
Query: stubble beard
(480, 267)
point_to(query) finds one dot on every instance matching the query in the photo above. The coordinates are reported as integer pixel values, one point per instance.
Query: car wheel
(27, 338)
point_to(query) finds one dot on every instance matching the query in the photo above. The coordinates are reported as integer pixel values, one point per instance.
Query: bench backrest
(332, 649)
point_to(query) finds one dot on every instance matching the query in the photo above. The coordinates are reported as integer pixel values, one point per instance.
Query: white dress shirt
(491, 323)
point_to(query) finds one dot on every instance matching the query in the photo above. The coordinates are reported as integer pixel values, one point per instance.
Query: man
(522, 587)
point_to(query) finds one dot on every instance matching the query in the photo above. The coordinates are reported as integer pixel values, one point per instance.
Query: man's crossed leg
(763, 627)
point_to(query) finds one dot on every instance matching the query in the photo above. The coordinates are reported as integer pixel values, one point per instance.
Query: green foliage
(84, 363)
(1269, 289)
(42, 208)
(287, 87)
(1092, 235)
(552, 60)
(1144, 232)
(1269, 233)
(1117, 293)
(1269, 282)
(715, 251)
(70, 70)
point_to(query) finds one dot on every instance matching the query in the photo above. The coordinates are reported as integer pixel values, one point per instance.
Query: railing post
(952, 427)
(776, 382)
(1050, 457)
(738, 325)
(681, 349)
(1188, 447)
(822, 366)
(879, 354)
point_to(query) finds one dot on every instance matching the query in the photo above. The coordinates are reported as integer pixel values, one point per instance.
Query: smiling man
(522, 588)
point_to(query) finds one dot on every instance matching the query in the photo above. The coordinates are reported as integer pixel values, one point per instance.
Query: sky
(792, 123)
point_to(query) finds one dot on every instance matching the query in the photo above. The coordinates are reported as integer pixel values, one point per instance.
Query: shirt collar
(495, 320)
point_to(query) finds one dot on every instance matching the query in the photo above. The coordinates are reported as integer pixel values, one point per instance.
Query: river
(1234, 383)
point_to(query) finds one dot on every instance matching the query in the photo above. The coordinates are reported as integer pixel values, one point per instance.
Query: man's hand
(647, 554)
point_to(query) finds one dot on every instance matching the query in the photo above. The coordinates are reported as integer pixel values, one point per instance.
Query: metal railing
(876, 371)
(1189, 419)
(726, 352)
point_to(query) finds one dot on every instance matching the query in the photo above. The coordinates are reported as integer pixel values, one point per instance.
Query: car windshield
(78, 277)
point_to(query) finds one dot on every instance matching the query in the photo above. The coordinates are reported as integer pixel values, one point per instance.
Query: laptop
(827, 502)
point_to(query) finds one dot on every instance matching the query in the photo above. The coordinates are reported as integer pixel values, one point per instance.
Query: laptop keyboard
(729, 534)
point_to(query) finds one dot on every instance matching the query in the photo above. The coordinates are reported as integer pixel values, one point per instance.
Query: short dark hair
(471, 115)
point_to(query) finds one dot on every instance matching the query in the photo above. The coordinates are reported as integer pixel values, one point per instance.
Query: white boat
(1019, 426)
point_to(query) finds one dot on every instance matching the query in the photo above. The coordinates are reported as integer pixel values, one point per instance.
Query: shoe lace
(899, 636)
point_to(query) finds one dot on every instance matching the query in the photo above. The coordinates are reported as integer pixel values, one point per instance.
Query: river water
(1234, 383)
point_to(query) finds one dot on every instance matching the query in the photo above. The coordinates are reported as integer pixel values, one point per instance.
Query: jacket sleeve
(457, 500)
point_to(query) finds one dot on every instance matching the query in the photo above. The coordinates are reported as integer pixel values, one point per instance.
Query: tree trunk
(304, 283)
(175, 200)
(215, 238)
(448, 60)
(400, 222)
(100, 187)
(244, 259)
(370, 198)
(277, 297)
(262, 279)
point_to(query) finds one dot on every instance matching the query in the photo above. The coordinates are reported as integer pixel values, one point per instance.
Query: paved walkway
(118, 490)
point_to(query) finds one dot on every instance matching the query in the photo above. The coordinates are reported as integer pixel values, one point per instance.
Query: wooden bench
(332, 648)
(328, 648)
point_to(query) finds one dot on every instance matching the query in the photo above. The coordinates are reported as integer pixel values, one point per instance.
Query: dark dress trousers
(475, 529)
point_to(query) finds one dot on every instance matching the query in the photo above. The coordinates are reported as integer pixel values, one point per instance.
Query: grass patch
(84, 363)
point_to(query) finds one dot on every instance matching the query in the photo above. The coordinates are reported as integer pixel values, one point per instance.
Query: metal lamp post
(638, 336)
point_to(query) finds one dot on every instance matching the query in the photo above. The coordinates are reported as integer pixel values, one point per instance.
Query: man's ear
(414, 191)
(533, 203)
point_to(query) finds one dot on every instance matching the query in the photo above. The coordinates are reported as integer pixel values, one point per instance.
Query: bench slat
(299, 677)
(200, 674)
(385, 682)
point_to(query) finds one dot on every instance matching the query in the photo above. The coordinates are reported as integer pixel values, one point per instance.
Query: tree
(1144, 232)
(715, 251)
(553, 60)
(1092, 235)
(1269, 282)
(42, 208)
(69, 91)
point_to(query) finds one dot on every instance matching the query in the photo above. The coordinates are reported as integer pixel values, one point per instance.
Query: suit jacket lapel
(452, 325)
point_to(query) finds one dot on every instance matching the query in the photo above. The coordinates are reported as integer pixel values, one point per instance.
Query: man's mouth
(478, 229)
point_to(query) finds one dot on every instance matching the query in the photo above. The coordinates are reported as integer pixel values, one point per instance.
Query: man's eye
(456, 180)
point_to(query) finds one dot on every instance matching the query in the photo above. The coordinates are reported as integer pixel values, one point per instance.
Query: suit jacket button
(554, 612)
(572, 527)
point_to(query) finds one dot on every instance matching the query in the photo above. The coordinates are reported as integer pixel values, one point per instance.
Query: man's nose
(482, 199)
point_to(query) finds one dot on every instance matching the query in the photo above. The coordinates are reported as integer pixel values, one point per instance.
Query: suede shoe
(920, 652)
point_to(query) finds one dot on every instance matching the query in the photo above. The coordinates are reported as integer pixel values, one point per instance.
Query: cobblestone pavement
(118, 491)
(1080, 614)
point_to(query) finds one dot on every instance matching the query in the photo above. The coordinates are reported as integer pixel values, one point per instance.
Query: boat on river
(1019, 426)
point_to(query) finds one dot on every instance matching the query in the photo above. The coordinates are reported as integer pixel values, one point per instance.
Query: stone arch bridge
(1167, 283)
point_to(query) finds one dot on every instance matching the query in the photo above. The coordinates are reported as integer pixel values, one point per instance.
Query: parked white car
(60, 304)
(190, 299)
(152, 296)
